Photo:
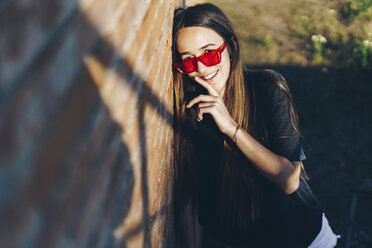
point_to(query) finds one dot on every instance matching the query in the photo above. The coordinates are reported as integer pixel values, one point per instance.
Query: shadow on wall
(67, 176)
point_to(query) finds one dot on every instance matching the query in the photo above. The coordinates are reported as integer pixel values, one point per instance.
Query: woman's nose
(201, 68)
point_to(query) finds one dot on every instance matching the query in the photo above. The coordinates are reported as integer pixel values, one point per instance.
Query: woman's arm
(278, 169)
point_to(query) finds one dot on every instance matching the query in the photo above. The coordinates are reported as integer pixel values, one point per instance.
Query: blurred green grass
(324, 50)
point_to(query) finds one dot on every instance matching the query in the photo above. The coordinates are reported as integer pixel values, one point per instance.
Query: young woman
(238, 169)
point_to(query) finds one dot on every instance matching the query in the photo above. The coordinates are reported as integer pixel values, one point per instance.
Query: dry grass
(279, 31)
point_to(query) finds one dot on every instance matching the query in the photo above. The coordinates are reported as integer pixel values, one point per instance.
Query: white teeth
(210, 75)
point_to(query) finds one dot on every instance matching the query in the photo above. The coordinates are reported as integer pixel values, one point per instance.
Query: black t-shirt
(287, 220)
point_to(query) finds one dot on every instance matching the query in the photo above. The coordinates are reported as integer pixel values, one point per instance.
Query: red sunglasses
(208, 59)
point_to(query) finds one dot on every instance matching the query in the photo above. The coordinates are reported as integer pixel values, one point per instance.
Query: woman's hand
(215, 106)
(278, 169)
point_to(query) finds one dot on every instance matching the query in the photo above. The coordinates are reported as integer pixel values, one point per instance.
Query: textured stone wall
(85, 123)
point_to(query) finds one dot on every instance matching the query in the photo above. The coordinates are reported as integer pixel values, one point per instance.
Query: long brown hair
(241, 189)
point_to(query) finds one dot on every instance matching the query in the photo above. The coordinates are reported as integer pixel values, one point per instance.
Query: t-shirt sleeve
(283, 137)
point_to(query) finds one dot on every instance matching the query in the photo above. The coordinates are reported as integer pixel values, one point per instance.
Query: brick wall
(85, 123)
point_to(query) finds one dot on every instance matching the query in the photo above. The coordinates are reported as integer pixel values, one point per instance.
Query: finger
(206, 85)
(206, 104)
(205, 98)
(204, 110)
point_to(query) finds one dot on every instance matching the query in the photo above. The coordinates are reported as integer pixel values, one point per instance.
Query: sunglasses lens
(187, 66)
(210, 58)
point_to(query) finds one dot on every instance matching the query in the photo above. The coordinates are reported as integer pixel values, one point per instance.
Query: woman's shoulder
(266, 83)
(264, 75)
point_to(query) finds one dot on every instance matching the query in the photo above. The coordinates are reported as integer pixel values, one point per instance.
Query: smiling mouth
(210, 76)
